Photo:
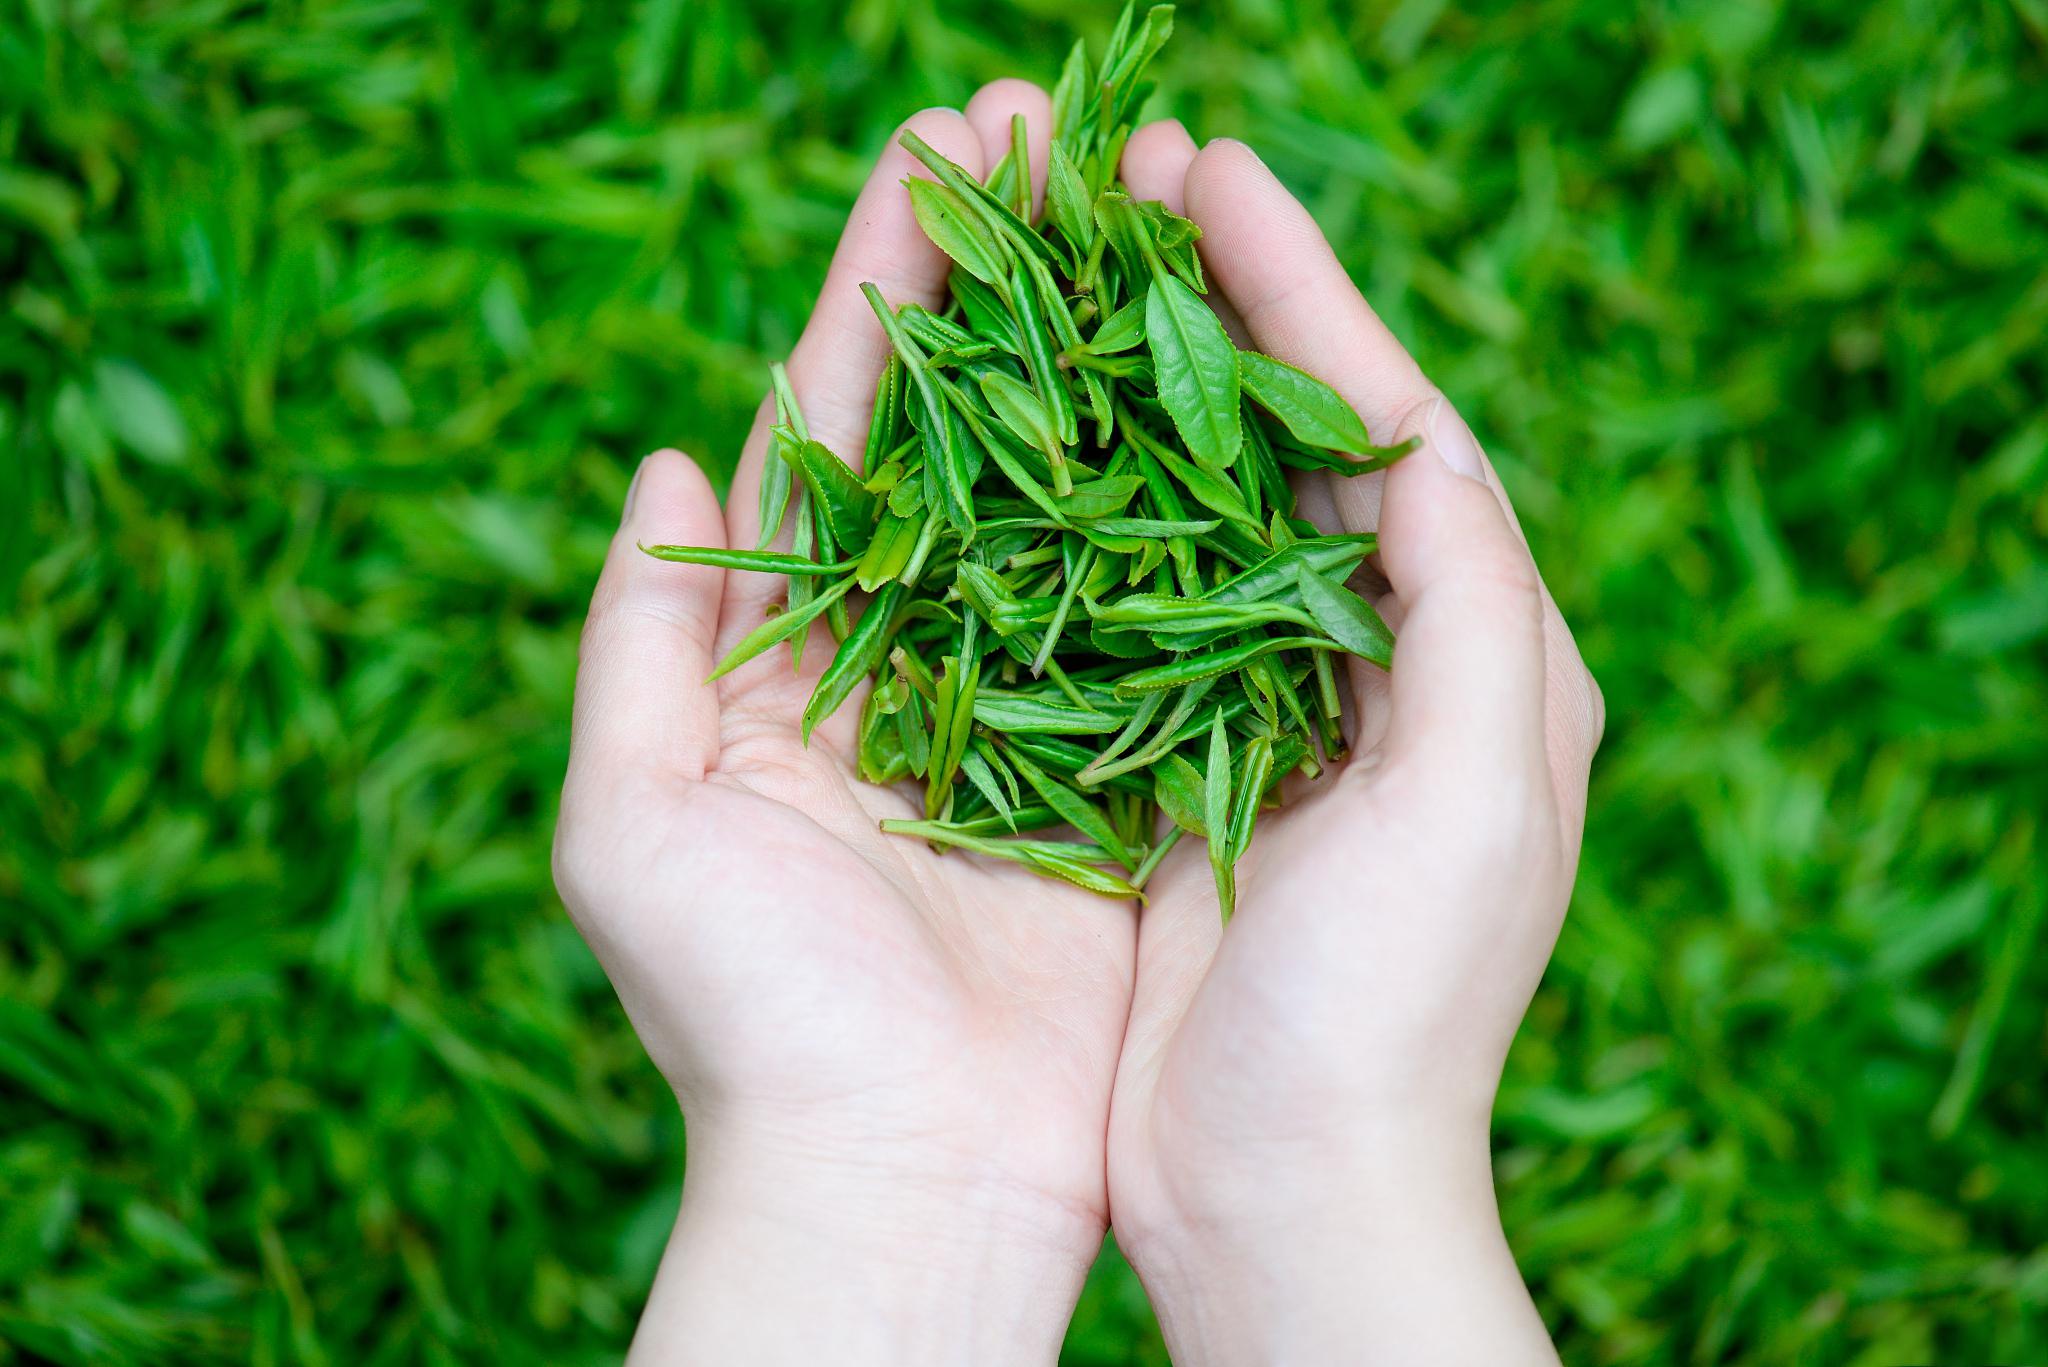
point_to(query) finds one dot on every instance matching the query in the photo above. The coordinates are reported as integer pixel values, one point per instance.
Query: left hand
(895, 1065)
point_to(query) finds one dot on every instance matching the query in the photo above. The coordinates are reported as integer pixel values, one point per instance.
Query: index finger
(838, 359)
(1270, 258)
(1295, 298)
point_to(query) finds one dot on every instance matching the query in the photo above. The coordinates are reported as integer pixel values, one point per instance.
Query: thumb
(1468, 684)
(642, 706)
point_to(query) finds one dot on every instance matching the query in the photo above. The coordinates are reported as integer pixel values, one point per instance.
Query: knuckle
(589, 642)
(1514, 574)
(602, 845)
(1596, 708)
(1513, 840)
(1504, 825)
(1408, 413)
(662, 611)
(1503, 590)
(569, 859)
(1580, 706)
(627, 604)
(1518, 581)
(1270, 309)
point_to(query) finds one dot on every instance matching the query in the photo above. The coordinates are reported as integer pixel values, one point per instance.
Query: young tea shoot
(1091, 618)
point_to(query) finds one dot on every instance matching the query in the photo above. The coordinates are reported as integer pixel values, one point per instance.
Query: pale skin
(919, 1087)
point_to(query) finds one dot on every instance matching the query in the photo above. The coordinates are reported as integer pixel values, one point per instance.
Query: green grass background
(330, 332)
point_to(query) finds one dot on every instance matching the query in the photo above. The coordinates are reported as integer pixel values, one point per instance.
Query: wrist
(1388, 1250)
(782, 1257)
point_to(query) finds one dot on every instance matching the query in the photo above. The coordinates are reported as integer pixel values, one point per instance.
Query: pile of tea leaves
(1089, 600)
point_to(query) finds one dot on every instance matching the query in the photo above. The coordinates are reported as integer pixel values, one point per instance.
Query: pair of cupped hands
(919, 1087)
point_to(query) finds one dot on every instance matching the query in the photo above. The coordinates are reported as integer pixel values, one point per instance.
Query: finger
(989, 114)
(1578, 715)
(1267, 254)
(642, 707)
(1577, 719)
(835, 364)
(1178, 934)
(1467, 706)
(1270, 259)
(1155, 166)
(1575, 713)
(1156, 161)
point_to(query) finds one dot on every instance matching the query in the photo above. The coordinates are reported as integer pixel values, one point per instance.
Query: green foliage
(1085, 545)
(329, 333)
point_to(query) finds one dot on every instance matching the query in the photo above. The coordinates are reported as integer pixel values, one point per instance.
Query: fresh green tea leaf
(1066, 198)
(1027, 714)
(761, 562)
(1197, 370)
(1019, 409)
(848, 508)
(1182, 794)
(1311, 410)
(1120, 331)
(1348, 620)
(858, 654)
(958, 231)
(779, 628)
(1216, 815)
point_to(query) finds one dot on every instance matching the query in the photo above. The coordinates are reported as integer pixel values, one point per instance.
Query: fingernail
(633, 489)
(1453, 441)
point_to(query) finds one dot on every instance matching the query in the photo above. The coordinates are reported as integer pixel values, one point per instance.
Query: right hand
(1298, 1154)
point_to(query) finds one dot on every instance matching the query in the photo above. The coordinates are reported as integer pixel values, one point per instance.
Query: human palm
(826, 997)
(809, 980)
(807, 983)
(1347, 997)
